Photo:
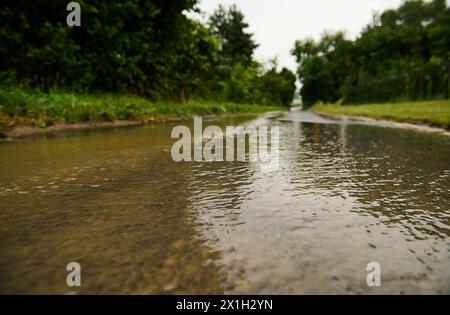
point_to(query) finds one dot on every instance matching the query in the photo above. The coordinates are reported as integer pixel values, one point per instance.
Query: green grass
(19, 106)
(434, 113)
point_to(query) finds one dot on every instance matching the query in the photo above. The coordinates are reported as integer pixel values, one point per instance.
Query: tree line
(144, 47)
(403, 54)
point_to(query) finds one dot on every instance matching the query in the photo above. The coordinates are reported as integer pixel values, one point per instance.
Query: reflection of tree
(399, 175)
(217, 192)
(217, 189)
(131, 234)
(404, 177)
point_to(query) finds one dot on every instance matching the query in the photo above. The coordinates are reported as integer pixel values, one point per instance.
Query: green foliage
(257, 85)
(436, 113)
(128, 46)
(141, 47)
(194, 61)
(241, 84)
(43, 109)
(278, 87)
(402, 56)
(243, 79)
(237, 45)
(287, 86)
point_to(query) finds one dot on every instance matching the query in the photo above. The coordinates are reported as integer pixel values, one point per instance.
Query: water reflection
(345, 194)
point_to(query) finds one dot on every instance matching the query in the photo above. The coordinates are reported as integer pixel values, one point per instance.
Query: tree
(194, 60)
(145, 47)
(124, 46)
(236, 45)
(287, 90)
(404, 55)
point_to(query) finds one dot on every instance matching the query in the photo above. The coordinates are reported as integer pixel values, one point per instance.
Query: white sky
(276, 24)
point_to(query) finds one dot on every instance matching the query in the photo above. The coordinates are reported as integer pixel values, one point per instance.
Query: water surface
(346, 194)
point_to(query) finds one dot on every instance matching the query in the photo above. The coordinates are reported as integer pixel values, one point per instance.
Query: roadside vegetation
(148, 48)
(434, 113)
(134, 60)
(130, 60)
(402, 55)
(25, 107)
(398, 68)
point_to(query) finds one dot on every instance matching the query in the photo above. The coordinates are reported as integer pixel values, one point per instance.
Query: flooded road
(345, 194)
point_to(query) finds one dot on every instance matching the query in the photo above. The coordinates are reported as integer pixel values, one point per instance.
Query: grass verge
(24, 107)
(433, 113)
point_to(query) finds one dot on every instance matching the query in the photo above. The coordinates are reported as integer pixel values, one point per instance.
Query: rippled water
(345, 194)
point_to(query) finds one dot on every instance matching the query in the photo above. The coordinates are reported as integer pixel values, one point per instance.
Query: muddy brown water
(346, 193)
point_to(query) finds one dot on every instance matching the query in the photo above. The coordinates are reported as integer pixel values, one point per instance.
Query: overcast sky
(276, 24)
